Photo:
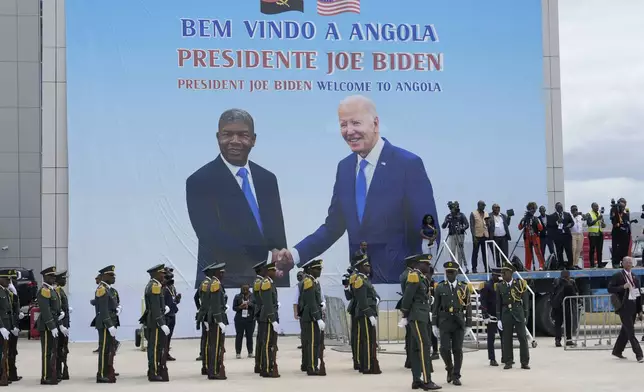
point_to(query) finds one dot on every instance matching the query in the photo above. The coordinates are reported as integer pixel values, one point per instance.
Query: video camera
(345, 277)
(454, 207)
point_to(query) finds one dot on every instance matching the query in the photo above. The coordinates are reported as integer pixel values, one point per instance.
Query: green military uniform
(202, 313)
(216, 319)
(156, 330)
(257, 299)
(351, 309)
(63, 338)
(403, 283)
(268, 323)
(49, 305)
(310, 312)
(512, 303)
(106, 301)
(366, 299)
(452, 314)
(13, 338)
(6, 325)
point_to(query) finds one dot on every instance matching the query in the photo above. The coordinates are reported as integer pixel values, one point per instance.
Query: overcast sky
(602, 82)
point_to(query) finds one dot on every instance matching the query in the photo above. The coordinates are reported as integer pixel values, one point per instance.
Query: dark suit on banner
(224, 223)
(399, 195)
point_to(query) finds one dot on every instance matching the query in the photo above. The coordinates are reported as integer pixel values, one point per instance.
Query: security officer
(512, 304)
(432, 286)
(347, 282)
(310, 312)
(6, 324)
(203, 295)
(172, 299)
(63, 337)
(156, 330)
(490, 316)
(260, 270)
(50, 314)
(366, 299)
(217, 321)
(269, 323)
(452, 320)
(410, 264)
(13, 338)
(106, 324)
(415, 307)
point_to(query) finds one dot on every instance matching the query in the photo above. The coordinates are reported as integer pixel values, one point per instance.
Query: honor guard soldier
(156, 330)
(63, 337)
(347, 281)
(217, 321)
(260, 270)
(310, 313)
(416, 308)
(202, 316)
(13, 338)
(269, 323)
(410, 263)
(6, 324)
(106, 323)
(452, 317)
(490, 315)
(512, 304)
(366, 312)
(49, 304)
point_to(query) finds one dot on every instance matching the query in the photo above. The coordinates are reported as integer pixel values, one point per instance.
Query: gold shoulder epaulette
(156, 288)
(266, 285)
(352, 278)
(257, 285)
(100, 291)
(307, 283)
(413, 277)
(204, 286)
(215, 286)
(358, 282)
(45, 292)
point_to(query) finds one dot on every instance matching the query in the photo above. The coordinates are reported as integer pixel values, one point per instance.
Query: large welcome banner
(214, 131)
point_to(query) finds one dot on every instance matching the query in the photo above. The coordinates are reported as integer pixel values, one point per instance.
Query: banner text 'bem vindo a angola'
(330, 62)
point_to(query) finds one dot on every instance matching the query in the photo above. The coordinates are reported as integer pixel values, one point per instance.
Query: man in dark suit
(559, 224)
(499, 229)
(627, 300)
(381, 192)
(234, 205)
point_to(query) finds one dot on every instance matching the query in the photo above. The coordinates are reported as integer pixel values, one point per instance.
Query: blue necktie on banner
(361, 189)
(252, 203)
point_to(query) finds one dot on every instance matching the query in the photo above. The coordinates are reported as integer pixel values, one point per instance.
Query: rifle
(375, 367)
(110, 361)
(222, 368)
(53, 359)
(273, 358)
(65, 351)
(163, 368)
(322, 371)
(4, 379)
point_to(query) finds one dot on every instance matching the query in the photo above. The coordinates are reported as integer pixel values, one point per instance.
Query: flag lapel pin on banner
(335, 7)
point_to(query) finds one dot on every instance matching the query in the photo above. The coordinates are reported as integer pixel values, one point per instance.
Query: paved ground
(551, 368)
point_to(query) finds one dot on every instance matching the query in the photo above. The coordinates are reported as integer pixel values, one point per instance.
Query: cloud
(602, 79)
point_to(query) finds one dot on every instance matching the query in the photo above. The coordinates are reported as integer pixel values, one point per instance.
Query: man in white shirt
(627, 300)
(577, 232)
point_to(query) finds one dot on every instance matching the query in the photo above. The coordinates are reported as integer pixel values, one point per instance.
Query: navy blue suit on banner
(399, 195)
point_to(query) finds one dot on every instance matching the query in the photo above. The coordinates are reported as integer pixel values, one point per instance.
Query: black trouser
(502, 243)
(492, 330)
(48, 351)
(558, 316)
(303, 364)
(216, 349)
(156, 345)
(547, 241)
(106, 348)
(269, 348)
(354, 342)
(421, 363)
(479, 243)
(596, 247)
(311, 338)
(63, 349)
(13, 353)
(434, 340)
(170, 321)
(563, 243)
(244, 326)
(203, 348)
(366, 345)
(407, 346)
(258, 348)
(452, 342)
(621, 242)
(627, 334)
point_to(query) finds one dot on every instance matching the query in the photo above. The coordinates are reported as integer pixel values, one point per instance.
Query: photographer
(457, 224)
(499, 229)
(621, 233)
(559, 225)
(595, 222)
(545, 239)
(531, 226)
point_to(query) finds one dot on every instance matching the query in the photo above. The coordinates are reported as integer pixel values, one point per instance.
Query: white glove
(279, 305)
(5, 333)
(372, 320)
(275, 325)
(119, 309)
(222, 327)
(432, 301)
(486, 321)
(72, 309)
(165, 330)
(112, 331)
(493, 319)
(499, 324)
(227, 307)
(402, 323)
(207, 326)
(377, 301)
(468, 331)
(54, 333)
(167, 310)
(436, 331)
(321, 325)
(64, 330)
(21, 316)
(323, 305)
(61, 315)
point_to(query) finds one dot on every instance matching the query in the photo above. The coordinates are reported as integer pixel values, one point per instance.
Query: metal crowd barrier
(591, 323)
(337, 329)
(387, 326)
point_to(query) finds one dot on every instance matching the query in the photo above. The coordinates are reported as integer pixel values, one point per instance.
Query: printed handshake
(283, 260)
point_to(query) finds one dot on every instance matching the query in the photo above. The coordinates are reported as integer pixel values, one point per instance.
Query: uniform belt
(451, 310)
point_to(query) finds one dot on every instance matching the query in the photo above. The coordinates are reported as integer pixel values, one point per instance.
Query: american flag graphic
(334, 7)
